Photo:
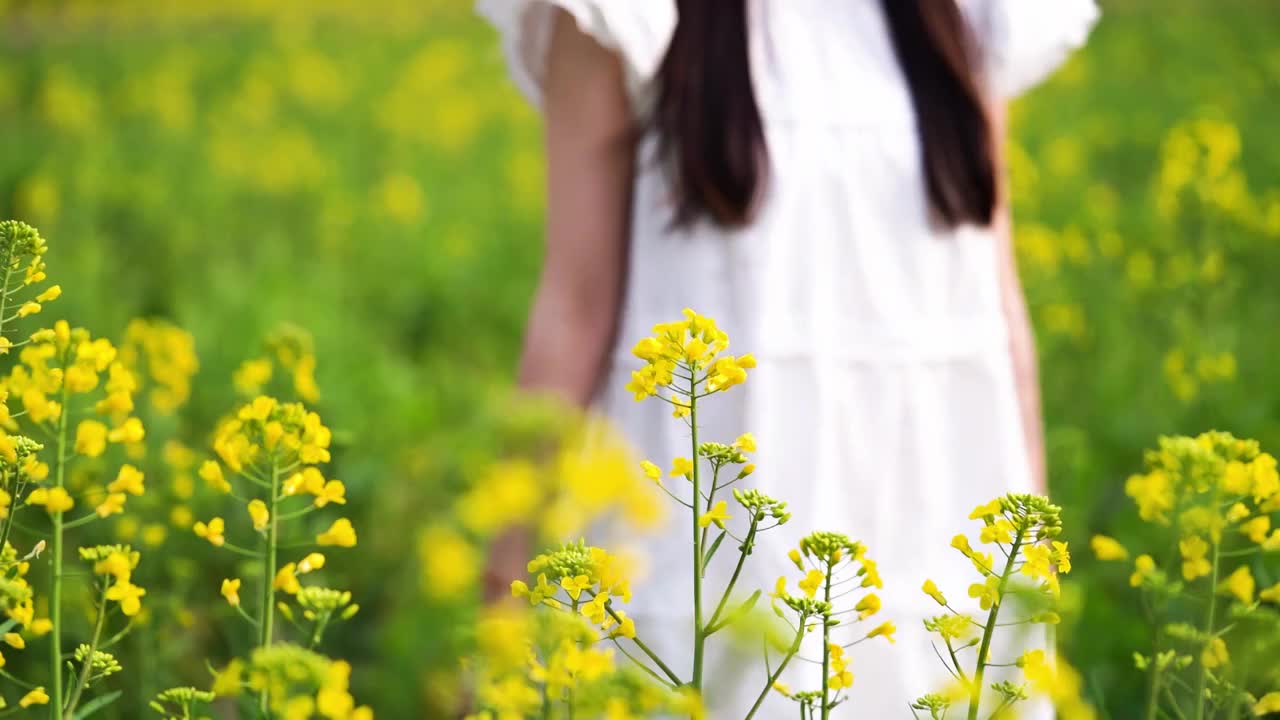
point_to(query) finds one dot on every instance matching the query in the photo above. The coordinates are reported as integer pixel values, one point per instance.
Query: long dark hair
(711, 135)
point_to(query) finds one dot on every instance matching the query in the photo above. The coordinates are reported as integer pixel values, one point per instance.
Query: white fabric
(637, 30)
(1025, 40)
(884, 402)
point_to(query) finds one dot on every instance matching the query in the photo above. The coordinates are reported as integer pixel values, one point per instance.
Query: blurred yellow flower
(931, 589)
(259, 514)
(212, 531)
(340, 533)
(35, 697)
(54, 500)
(91, 438)
(231, 591)
(1194, 563)
(128, 480)
(1108, 548)
(885, 630)
(449, 563)
(1239, 583)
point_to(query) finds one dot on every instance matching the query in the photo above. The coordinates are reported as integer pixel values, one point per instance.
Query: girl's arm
(590, 156)
(1022, 342)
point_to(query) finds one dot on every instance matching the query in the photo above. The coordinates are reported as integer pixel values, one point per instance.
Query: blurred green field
(366, 172)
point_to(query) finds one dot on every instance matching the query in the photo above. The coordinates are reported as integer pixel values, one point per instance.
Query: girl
(823, 177)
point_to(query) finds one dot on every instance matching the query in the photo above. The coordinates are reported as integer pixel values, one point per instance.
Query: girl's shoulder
(1023, 41)
(639, 31)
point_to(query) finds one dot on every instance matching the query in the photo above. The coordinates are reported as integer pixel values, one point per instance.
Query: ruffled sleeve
(1023, 41)
(639, 31)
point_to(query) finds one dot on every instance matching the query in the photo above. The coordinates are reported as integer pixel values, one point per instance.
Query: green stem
(675, 679)
(83, 680)
(795, 648)
(1203, 681)
(1153, 688)
(826, 649)
(318, 632)
(733, 580)
(955, 660)
(269, 577)
(975, 692)
(711, 496)
(55, 591)
(699, 638)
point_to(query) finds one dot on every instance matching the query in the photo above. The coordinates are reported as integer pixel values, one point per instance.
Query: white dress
(884, 402)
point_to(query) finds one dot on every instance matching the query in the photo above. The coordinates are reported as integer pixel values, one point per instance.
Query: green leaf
(97, 704)
(743, 609)
(711, 551)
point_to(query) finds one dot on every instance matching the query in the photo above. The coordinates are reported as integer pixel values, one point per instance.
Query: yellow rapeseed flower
(594, 610)
(1257, 529)
(1270, 703)
(128, 595)
(227, 681)
(717, 514)
(112, 505)
(35, 697)
(259, 514)
(987, 592)
(14, 640)
(1143, 567)
(128, 480)
(1215, 653)
(450, 564)
(1000, 531)
(130, 431)
(990, 509)
(340, 533)
(91, 438)
(332, 491)
(794, 555)
(286, 579)
(681, 467)
(211, 472)
(885, 630)
(212, 531)
(811, 582)
(574, 585)
(1194, 563)
(1239, 583)
(931, 589)
(651, 471)
(313, 561)
(1108, 548)
(1237, 512)
(231, 591)
(869, 605)
(54, 500)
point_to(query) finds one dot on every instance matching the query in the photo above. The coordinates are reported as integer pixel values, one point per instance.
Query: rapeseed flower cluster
(300, 684)
(76, 392)
(1213, 496)
(1024, 530)
(275, 451)
(828, 561)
